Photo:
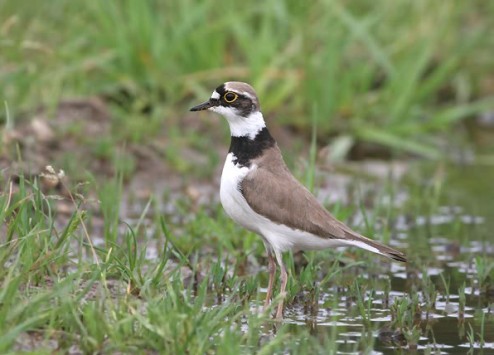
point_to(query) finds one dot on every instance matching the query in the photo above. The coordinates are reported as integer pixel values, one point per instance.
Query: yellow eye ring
(230, 97)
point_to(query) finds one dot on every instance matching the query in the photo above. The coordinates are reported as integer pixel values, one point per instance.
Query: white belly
(279, 237)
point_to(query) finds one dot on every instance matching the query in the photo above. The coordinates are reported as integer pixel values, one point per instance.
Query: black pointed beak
(203, 106)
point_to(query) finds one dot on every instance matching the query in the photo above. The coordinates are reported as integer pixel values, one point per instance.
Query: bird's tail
(374, 246)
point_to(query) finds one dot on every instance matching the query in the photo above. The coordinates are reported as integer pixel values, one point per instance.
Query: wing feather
(272, 191)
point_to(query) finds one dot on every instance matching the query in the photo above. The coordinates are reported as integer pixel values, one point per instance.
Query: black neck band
(245, 149)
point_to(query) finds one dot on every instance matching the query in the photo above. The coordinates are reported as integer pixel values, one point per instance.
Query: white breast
(279, 237)
(232, 199)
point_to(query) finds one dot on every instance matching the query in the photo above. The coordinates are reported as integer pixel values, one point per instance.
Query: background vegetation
(124, 255)
(414, 67)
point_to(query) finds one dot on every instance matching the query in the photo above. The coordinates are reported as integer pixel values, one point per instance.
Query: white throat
(241, 126)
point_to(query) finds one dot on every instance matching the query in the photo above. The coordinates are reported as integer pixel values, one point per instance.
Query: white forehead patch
(215, 95)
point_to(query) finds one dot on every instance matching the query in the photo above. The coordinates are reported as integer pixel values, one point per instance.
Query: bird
(259, 192)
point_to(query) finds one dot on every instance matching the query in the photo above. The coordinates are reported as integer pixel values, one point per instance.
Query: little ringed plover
(259, 192)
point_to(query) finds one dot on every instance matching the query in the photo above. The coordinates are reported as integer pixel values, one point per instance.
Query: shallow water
(443, 327)
(443, 226)
(459, 238)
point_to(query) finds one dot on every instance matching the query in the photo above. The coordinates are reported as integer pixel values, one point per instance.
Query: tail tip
(398, 256)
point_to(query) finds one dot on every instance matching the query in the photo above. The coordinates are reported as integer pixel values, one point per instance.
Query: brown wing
(277, 195)
(272, 191)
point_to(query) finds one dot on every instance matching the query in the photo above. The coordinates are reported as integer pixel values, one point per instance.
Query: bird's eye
(230, 97)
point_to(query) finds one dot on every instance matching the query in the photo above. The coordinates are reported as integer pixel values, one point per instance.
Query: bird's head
(238, 103)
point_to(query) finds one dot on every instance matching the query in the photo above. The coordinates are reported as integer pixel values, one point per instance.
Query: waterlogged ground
(441, 302)
(150, 261)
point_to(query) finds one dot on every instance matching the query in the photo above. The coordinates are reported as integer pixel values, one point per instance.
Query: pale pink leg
(272, 273)
(284, 280)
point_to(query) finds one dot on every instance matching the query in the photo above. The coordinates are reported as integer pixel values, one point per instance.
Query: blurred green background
(400, 75)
